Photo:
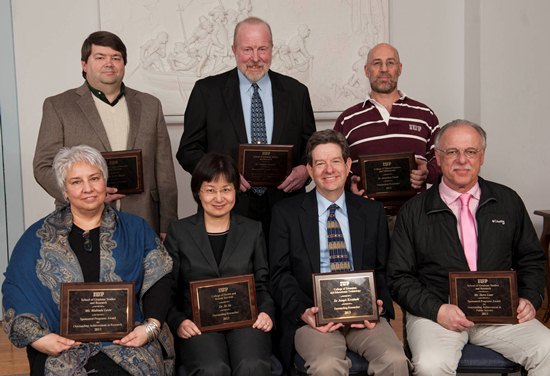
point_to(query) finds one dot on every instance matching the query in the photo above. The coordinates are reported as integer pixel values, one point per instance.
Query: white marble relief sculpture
(173, 43)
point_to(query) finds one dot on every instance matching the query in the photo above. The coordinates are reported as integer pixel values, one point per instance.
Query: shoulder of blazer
(283, 82)
(355, 202)
(221, 80)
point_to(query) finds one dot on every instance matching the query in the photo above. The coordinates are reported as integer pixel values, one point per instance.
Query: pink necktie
(468, 230)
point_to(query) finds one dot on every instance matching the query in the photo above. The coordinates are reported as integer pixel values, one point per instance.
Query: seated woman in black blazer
(217, 243)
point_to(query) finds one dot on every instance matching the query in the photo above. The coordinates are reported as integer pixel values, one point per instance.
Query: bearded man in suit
(219, 111)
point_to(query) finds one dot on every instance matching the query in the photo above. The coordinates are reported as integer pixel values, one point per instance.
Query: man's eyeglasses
(211, 192)
(453, 153)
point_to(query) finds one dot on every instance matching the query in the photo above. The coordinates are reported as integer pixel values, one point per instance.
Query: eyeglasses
(211, 192)
(453, 153)
(87, 241)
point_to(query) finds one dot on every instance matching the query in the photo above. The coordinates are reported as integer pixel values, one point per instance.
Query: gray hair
(252, 21)
(68, 156)
(458, 123)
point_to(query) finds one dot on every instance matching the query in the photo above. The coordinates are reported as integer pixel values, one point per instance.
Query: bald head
(382, 47)
(383, 69)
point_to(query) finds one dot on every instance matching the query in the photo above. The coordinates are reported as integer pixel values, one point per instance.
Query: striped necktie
(339, 256)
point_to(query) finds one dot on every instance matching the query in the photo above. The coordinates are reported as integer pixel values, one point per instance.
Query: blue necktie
(258, 132)
(339, 256)
(257, 117)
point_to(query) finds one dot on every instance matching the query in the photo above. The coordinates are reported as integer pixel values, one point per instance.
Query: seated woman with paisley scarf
(87, 241)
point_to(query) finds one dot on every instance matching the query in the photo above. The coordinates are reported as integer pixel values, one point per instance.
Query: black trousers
(236, 352)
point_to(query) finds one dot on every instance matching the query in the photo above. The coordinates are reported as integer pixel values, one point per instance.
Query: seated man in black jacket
(465, 223)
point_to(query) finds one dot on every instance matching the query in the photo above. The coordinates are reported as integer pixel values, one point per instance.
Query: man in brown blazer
(105, 114)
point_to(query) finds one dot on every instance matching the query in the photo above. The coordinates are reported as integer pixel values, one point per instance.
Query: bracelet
(152, 329)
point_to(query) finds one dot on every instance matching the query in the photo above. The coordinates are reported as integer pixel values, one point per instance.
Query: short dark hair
(211, 167)
(328, 136)
(105, 39)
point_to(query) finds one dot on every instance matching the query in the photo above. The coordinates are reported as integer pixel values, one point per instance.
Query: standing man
(300, 246)
(219, 112)
(389, 121)
(465, 223)
(105, 114)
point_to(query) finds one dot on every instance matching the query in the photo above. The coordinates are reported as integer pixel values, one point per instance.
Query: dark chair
(479, 359)
(276, 368)
(359, 365)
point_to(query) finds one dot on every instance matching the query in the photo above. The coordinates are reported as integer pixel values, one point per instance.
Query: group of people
(281, 235)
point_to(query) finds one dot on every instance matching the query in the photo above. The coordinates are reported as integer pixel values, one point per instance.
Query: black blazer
(244, 253)
(294, 255)
(214, 119)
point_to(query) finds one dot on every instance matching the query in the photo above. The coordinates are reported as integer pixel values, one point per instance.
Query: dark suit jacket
(244, 253)
(214, 119)
(294, 254)
(71, 118)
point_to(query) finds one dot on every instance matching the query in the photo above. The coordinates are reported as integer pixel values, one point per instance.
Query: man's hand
(367, 324)
(53, 344)
(112, 195)
(525, 310)
(354, 186)
(451, 317)
(295, 180)
(188, 329)
(245, 185)
(419, 176)
(309, 318)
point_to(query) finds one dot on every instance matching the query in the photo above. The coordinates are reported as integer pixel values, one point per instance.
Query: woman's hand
(136, 338)
(188, 329)
(53, 344)
(263, 322)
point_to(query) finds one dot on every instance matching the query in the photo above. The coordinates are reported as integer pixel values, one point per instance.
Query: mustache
(461, 167)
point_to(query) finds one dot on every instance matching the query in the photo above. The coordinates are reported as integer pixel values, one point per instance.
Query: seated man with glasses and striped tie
(302, 230)
(465, 223)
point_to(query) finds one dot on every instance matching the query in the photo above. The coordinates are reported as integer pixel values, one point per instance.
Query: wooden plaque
(387, 175)
(345, 297)
(224, 303)
(125, 170)
(486, 297)
(265, 165)
(96, 311)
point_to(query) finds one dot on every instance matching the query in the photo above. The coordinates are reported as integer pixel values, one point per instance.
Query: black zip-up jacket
(426, 247)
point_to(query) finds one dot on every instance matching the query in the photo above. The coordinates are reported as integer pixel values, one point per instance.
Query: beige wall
(485, 59)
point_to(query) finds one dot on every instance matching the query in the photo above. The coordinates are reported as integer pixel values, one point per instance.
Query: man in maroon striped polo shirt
(389, 121)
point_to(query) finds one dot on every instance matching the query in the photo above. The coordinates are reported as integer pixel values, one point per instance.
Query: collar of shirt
(101, 96)
(402, 96)
(246, 91)
(342, 217)
(381, 109)
(452, 199)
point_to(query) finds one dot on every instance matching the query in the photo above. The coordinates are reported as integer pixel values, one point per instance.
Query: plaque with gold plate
(265, 165)
(125, 170)
(224, 303)
(485, 297)
(348, 297)
(387, 178)
(96, 311)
